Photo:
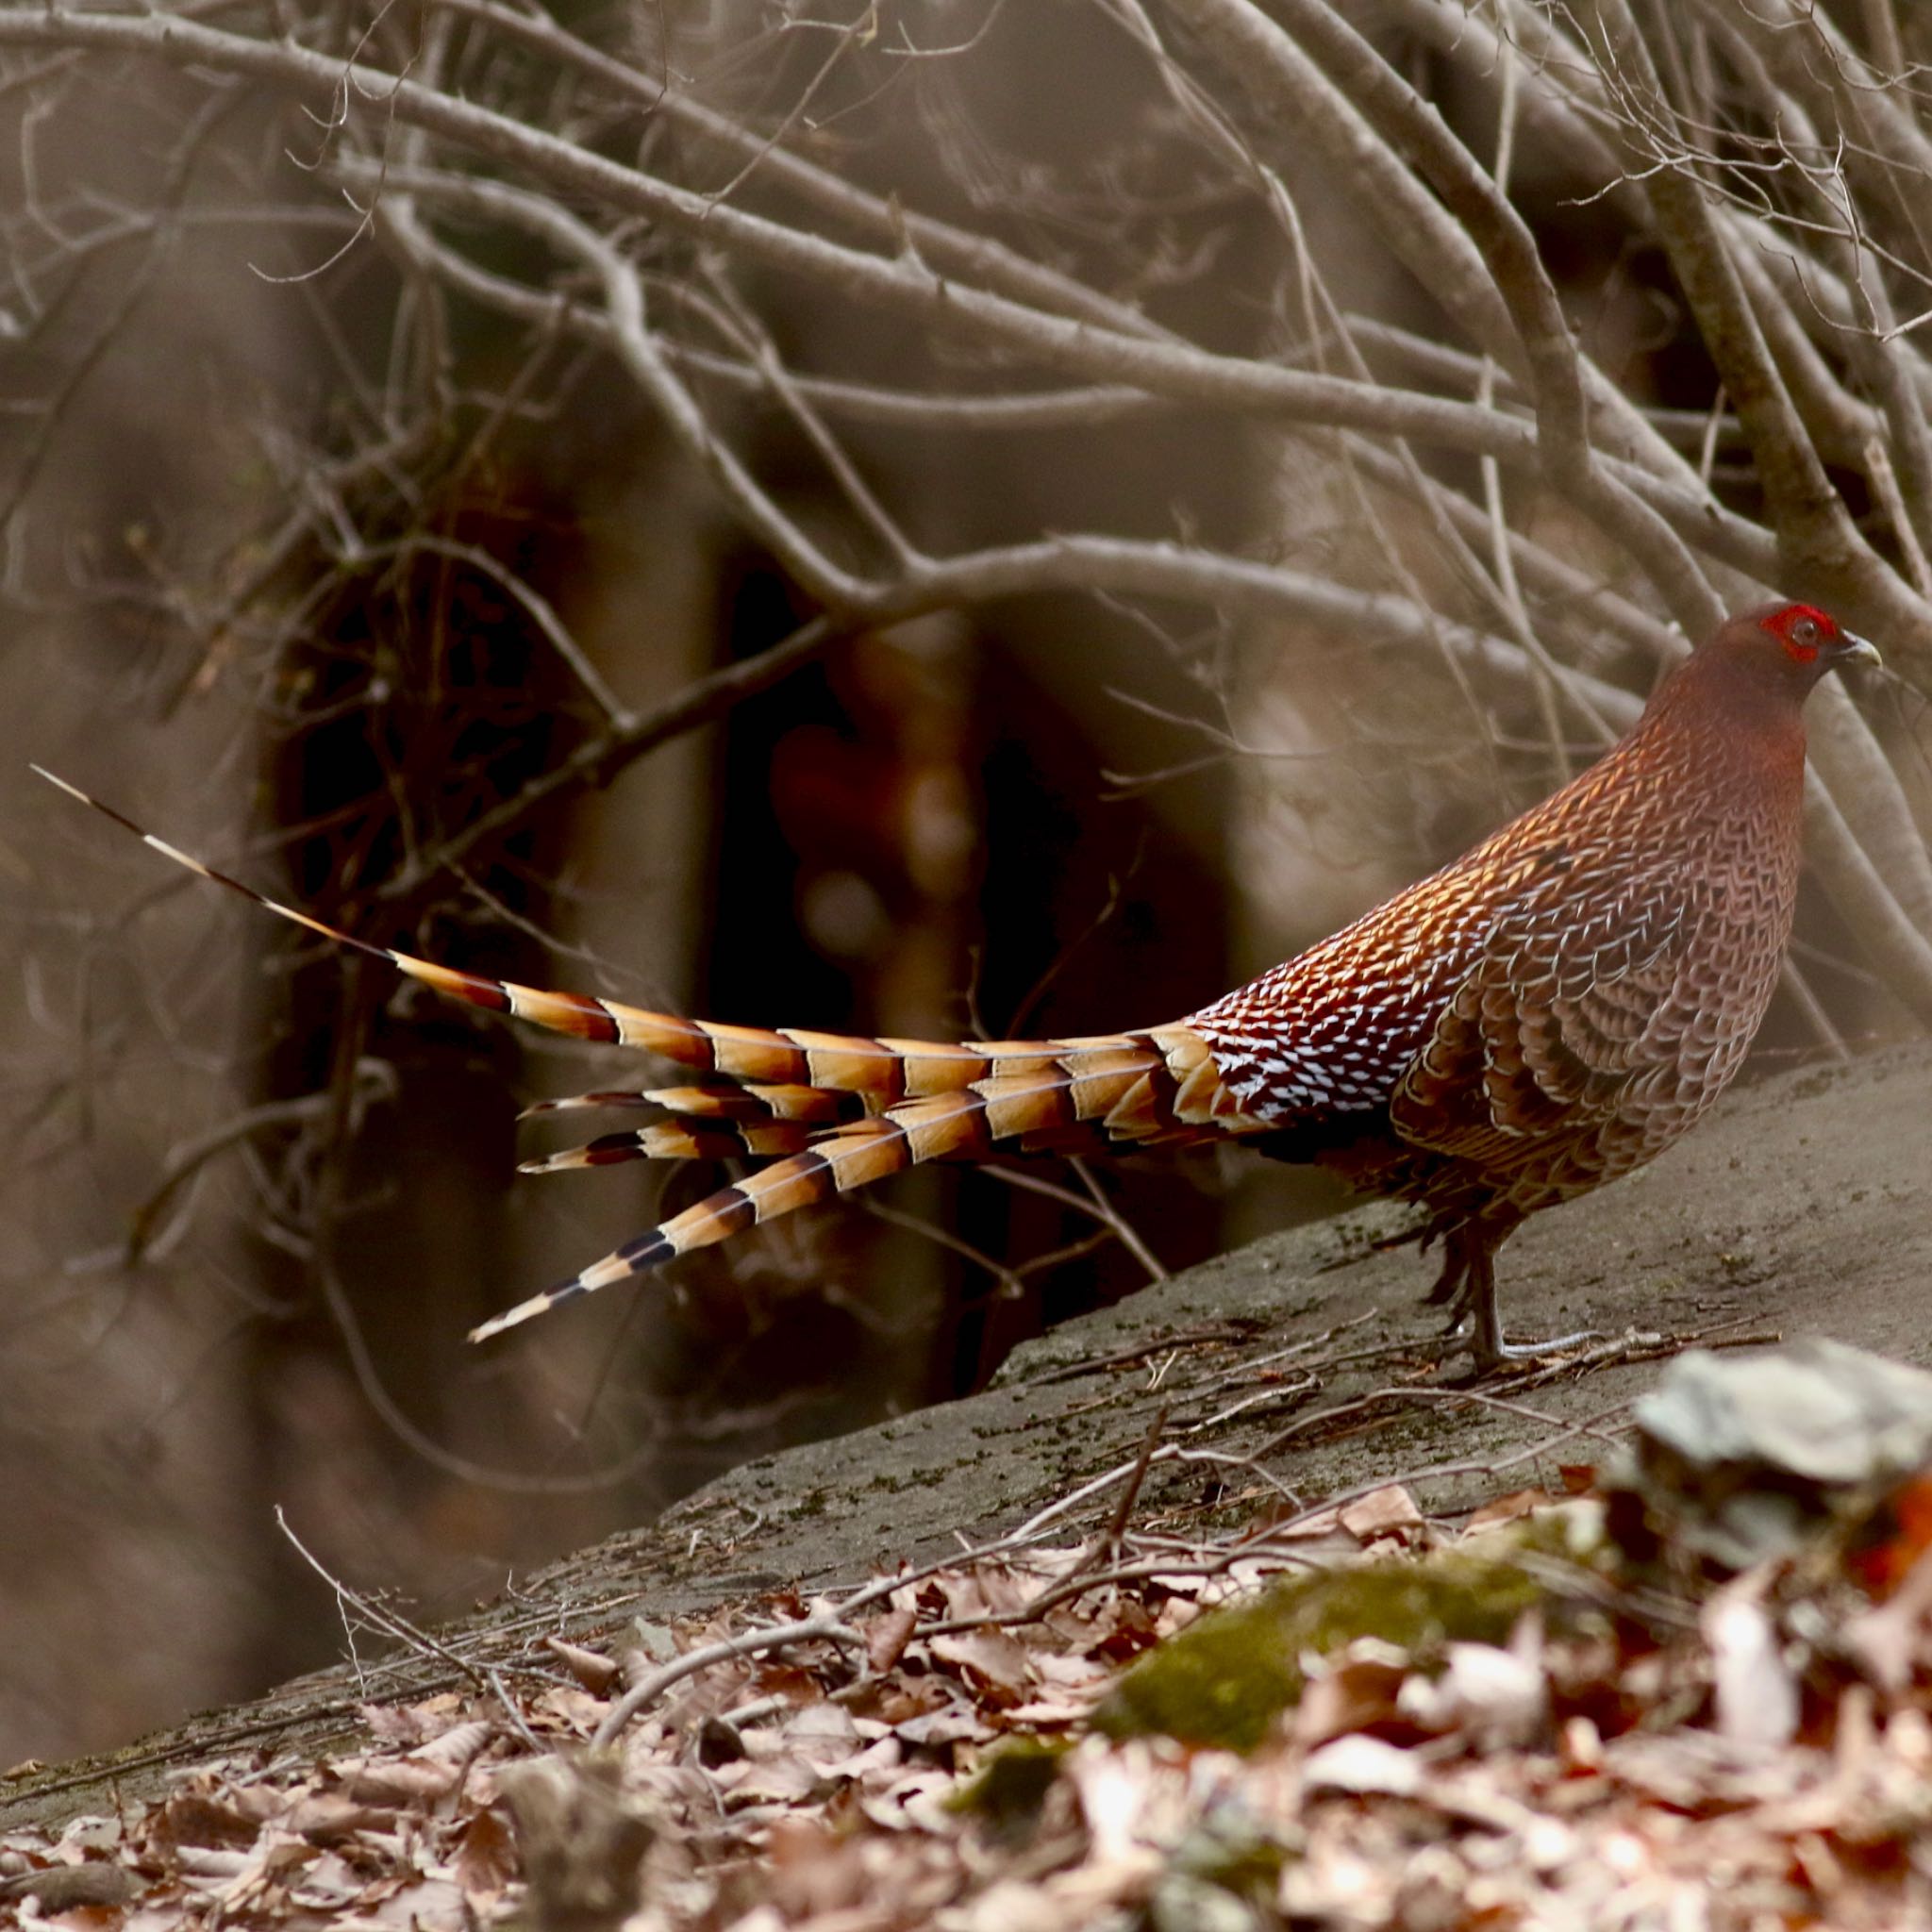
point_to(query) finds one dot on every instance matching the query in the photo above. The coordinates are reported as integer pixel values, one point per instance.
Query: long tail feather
(751, 1101)
(683, 1139)
(1146, 1090)
(830, 1111)
(577, 1102)
(881, 1072)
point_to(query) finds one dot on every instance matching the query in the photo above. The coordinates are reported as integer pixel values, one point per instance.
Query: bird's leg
(1449, 1284)
(1479, 1302)
(1468, 1284)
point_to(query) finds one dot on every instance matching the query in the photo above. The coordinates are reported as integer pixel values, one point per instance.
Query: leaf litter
(1691, 1690)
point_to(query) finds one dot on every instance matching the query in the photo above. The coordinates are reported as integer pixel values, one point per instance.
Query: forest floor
(806, 1670)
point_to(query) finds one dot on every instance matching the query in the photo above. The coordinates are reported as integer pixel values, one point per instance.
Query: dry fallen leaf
(485, 1861)
(1499, 1698)
(996, 1661)
(1388, 1511)
(1359, 1764)
(1891, 1639)
(1510, 1509)
(580, 1839)
(886, 1637)
(93, 1886)
(1349, 1691)
(596, 1672)
(1752, 1687)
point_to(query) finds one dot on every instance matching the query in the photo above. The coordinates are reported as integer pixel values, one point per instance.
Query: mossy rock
(1227, 1678)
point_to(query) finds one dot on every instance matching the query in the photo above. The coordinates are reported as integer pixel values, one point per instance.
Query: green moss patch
(1227, 1676)
(1011, 1788)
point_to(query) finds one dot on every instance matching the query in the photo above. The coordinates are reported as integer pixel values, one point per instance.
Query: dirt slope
(1805, 1205)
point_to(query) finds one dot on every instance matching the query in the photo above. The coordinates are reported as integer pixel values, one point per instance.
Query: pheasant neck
(1714, 730)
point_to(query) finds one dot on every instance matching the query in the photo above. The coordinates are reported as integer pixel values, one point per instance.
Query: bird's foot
(1544, 1345)
(1474, 1324)
(1539, 1349)
(1558, 1354)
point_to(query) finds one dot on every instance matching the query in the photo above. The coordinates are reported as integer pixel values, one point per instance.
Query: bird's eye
(1805, 631)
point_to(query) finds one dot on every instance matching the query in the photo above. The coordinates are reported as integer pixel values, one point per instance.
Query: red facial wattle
(1803, 630)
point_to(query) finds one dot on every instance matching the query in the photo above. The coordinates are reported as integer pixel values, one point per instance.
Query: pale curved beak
(1857, 650)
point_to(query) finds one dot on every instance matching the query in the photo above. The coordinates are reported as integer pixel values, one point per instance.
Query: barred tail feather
(689, 1042)
(703, 1124)
(846, 1157)
(830, 1111)
(1149, 1090)
(577, 1103)
(880, 1072)
(682, 1137)
(751, 1101)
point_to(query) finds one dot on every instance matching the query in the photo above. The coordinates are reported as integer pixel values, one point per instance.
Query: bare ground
(1805, 1205)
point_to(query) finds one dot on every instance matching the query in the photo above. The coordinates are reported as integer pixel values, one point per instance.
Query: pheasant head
(1780, 652)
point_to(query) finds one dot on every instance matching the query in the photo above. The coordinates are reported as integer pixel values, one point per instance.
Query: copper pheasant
(1547, 1013)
